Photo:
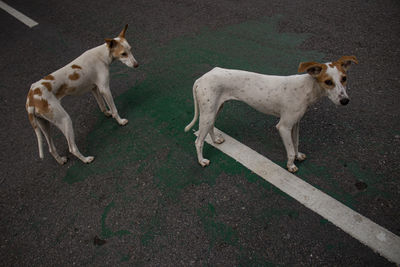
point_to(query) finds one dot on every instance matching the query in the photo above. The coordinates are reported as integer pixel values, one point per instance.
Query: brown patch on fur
(313, 68)
(115, 47)
(343, 63)
(322, 77)
(31, 120)
(47, 85)
(37, 91)
(122, 34)
(110, 42)
(117, 50)
(318, 71)
(30, 98)
(348, 58)
(74, 76)
(338, 65)
(49, 77)
(30, 114)
(303, 66)
(76, 67)
(41, 105)
(64, 90)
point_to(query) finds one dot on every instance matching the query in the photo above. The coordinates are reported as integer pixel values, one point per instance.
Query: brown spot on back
(49, 77)
(47, 85)
(74, 76)
(76, 67)
(64, 90)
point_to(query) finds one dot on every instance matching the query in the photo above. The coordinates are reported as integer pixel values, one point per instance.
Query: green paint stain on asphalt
(106, 232)
(150, 230)
(163, 105)
(158, 109)
(125, 258)
(65, 229)
(217, 231)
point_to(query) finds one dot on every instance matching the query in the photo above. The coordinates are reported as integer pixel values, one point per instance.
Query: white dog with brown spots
(287, 97)
(88, 72)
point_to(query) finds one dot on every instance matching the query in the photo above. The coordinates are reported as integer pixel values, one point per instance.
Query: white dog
(88, 72)
(287, 97)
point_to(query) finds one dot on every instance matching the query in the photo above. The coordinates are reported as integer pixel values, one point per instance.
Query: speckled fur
(88, 72)
(287, 97)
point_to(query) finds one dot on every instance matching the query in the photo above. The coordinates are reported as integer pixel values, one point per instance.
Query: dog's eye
(124, 54)
(344, 79)
(328, 82)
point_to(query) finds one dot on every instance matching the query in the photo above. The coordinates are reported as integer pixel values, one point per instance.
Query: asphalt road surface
(145, 201)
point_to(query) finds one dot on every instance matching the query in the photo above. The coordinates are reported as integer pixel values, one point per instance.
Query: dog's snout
(135, 65)
(344, 101)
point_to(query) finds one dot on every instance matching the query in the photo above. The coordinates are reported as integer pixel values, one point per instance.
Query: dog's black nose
(344, 101)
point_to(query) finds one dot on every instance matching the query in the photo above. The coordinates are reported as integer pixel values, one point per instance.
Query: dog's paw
(219, 140)
(88, 159)
(292, 168)
(300, 156)
(204, 162)
(62, 160)
(123, 122)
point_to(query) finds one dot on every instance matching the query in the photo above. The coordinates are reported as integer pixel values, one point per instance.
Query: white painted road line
(18, 15)
(366, 231)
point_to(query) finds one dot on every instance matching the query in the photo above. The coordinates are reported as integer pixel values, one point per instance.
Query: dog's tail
(196, 109)
(33, 121)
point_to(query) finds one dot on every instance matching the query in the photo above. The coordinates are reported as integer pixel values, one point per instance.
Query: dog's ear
(345, 61)
(122, 34)
(111, 43)
(312, 68)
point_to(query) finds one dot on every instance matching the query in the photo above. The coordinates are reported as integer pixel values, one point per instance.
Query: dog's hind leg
(44, 126)
(217, 139)
(206, 126)
(61, 119)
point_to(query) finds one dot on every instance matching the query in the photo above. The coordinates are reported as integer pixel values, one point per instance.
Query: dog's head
(331, 77)
(121, 50)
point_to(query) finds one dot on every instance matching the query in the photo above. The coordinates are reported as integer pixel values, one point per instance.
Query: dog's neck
(316, 92)
(103, 53)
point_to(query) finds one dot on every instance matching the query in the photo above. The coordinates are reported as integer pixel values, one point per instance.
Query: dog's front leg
(295, 136)
(106, 93)
(100, 101)
(285, 130)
